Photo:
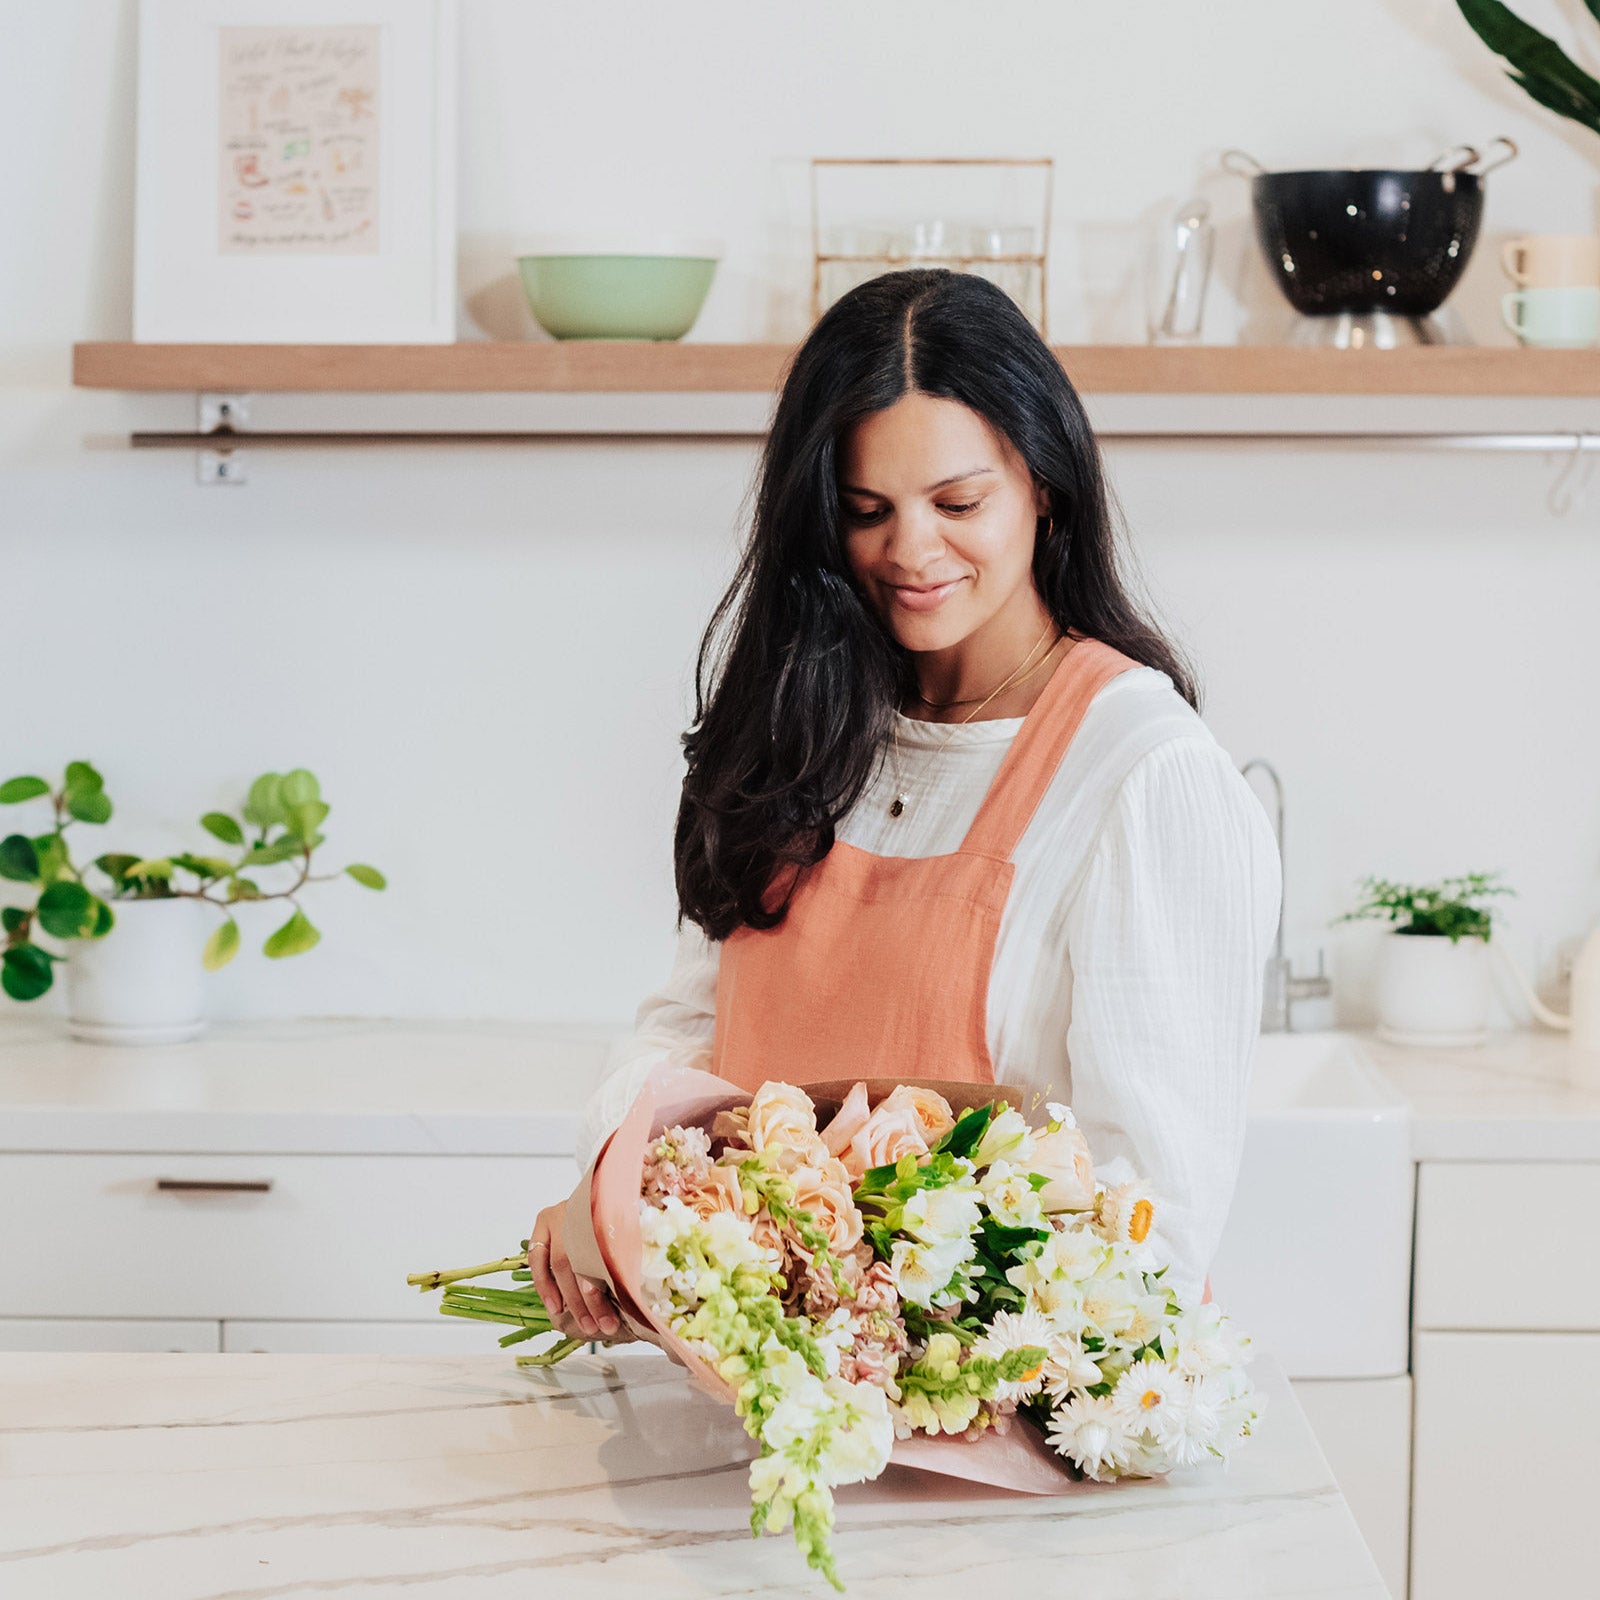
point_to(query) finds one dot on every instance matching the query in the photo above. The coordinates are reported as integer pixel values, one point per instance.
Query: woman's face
(939, 518)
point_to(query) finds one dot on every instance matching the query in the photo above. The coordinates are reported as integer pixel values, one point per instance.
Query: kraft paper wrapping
(602, 1236)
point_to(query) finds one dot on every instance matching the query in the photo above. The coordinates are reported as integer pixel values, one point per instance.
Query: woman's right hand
(580, 1308)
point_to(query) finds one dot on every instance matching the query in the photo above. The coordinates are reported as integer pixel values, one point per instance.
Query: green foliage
(1539, 65)
(1440, 908)
(66, 908)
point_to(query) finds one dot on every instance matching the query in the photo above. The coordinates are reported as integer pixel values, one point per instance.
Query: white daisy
(1012, 1330)
(1091, 1434)
(1144, 1391)
(1187, 1430)
(1125, 1212)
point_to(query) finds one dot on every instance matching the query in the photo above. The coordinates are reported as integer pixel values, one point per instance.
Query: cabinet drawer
(108, 1333)
(1503, 1471)
(328, 1237)
(1507, 1244)
(444, 1336)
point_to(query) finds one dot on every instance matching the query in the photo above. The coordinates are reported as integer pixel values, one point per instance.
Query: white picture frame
(258, 219)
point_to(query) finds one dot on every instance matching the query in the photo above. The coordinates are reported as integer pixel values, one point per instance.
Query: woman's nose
(912, 537)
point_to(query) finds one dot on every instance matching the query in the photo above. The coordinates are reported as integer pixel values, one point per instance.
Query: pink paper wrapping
(1019, 1460)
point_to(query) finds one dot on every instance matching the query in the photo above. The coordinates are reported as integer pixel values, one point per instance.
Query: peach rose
(825, 1192)
(933, 1112)
(888, 1133)
(847, 1120)
(716, 1189)
(783, 1116)
(1063, 1158)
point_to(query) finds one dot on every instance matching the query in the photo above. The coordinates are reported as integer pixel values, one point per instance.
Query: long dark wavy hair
(807, 677)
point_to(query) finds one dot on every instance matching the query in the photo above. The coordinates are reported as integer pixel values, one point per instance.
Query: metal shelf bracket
(220, 416)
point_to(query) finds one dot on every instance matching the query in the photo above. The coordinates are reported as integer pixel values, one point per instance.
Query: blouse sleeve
(673, 1024)
(1168, 939)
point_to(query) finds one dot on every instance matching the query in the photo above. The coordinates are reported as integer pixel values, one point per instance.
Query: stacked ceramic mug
(1556, 303)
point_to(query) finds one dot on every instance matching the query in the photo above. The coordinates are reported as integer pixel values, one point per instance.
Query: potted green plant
(1433, 969)
(146, 985)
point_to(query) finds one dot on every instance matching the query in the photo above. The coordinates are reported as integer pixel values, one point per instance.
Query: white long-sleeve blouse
(1129, 967)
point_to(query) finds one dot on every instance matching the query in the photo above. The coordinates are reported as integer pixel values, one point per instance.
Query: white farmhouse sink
(1315, 1261)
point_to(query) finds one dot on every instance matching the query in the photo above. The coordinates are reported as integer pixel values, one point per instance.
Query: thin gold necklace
(944, 705)
(902, 794)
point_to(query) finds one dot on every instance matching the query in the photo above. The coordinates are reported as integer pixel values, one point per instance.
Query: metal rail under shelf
(233, 439)
(226, 432)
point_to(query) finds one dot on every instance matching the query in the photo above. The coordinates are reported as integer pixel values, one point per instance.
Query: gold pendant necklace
(902, 797)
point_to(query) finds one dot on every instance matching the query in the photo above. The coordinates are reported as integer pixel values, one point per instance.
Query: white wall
(486, 654)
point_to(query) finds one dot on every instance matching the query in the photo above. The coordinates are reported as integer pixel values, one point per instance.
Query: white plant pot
(1433, 990)
(143, 983)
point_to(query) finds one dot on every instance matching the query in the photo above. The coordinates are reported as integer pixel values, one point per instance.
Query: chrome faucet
(1282, 988)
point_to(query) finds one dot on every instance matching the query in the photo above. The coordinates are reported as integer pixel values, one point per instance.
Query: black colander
(1368, 239)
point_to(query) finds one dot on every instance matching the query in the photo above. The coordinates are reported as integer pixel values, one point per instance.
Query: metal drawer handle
(214, 1185)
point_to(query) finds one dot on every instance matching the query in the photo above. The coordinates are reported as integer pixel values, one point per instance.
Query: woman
(950, 809)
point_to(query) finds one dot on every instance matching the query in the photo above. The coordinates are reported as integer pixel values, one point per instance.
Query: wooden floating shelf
(583, 366)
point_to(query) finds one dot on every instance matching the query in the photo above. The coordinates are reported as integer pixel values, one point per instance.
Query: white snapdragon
(821, 1432)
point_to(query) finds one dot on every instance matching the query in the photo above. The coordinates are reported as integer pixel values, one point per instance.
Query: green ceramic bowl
(592, 289)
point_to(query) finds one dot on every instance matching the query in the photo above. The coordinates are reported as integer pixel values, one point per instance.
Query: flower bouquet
(891, 1271)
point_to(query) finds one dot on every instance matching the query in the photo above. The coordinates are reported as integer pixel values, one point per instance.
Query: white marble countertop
(249, 1477)
(1521, 1095)
(402, 1086)
(351, 1085)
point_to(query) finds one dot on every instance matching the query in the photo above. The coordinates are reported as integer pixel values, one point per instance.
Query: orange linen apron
(881, 966)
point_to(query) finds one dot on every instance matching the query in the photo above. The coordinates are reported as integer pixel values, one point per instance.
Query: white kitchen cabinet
(263, 1237)
(444, 1336)
(108, 1333)
(1364, 1428)
(1505, 1475)
(1507, 1244)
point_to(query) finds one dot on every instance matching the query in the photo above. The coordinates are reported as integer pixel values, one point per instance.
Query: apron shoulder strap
(1031, 762)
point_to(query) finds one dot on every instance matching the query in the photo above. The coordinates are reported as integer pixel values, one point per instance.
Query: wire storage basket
(970, 213)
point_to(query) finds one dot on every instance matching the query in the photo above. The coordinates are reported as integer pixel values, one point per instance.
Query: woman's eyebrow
(943, 483)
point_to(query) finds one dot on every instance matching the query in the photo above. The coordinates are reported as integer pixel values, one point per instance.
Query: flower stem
(437, 1280)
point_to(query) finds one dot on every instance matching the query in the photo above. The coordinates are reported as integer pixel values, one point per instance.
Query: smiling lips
(922, 599)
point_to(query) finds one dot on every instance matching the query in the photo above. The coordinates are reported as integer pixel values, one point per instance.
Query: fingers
(599, 1305)
(578, 1306)
(539, 1262)
(572, 1296)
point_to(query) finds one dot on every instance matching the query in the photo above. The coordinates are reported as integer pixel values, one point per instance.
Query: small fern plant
(1539, 65)
(1438, 908)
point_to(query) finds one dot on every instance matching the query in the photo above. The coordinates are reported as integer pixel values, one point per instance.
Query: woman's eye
(866, 518)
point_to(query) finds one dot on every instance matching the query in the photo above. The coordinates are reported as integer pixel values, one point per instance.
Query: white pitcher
(1583, 1020)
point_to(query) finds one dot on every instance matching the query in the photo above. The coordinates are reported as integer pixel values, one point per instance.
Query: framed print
(296, 172)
